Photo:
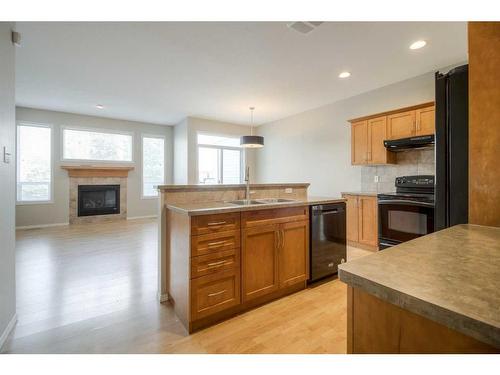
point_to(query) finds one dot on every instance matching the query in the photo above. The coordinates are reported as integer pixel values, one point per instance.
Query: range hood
(411, 143)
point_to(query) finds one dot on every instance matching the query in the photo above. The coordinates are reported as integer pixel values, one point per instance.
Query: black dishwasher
(328, 239)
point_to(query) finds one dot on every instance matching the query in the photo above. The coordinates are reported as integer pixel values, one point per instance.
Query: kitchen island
(436, 294)
(221, 254)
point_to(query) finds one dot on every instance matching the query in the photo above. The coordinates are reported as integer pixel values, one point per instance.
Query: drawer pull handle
(216, 264)
(216, 223)
(216, 294)
(218, 243)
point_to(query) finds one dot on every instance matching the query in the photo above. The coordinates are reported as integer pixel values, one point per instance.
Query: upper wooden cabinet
(367, 142)
(401, 125)
(368, 133)
(425, 121)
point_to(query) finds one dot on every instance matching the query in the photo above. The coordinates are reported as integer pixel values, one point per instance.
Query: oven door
(404, 220)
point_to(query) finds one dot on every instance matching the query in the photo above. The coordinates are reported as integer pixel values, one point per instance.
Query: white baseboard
(162, 297)
(141, 217)
(8, 330)
(41, 226)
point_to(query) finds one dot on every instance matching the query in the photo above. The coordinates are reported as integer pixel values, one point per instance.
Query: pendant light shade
(252, 141)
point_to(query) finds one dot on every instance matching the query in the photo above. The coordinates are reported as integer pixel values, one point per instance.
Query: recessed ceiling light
(344, 75)
(418, 44)
(99, 106)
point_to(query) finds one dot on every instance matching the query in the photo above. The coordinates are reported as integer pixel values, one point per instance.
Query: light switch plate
(376, 179)
(6, 156)
(288, 190)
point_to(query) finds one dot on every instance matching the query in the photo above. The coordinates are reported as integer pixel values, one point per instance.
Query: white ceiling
(163, 72)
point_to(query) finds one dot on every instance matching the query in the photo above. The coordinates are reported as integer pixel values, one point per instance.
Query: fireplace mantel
(96, 171)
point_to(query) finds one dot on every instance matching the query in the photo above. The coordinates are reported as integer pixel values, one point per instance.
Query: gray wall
(58, 212)
(181, 153)
(7, 180)
(315, 146)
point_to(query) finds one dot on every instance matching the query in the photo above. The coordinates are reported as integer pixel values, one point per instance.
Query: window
(34, 163)
(220, 159)
(153, 165)
(79, 144)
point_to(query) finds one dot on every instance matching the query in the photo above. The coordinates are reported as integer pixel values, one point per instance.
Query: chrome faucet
(247, 181)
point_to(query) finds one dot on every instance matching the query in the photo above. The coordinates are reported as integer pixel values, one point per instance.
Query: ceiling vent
(304, 27)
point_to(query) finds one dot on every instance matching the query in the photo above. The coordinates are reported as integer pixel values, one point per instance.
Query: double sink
(249, 202)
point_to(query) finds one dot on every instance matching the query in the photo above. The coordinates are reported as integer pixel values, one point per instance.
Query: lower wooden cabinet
(362, 220)
(213, 293)
(223, 264)
(274, 256)
(259, 261)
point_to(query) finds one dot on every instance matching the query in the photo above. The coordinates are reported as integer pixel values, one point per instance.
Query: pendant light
(251, 141)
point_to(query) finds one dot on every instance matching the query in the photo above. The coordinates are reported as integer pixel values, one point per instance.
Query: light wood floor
(91, 288)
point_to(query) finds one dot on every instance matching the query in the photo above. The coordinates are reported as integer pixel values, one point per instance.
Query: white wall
(186, 153)
(58, 212)
(181, 153)
(315, 146)
(7, 182)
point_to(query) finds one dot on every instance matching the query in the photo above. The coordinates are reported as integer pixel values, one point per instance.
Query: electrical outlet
(376, 179)
(288, 190)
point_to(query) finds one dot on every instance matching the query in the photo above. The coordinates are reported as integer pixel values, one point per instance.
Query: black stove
(408, 212)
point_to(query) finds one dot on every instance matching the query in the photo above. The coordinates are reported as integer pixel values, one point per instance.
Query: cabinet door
(401, 125)
(359, 142)
(368, 220)
(293, 253)
(352, 217)
(425, 120)
(259, 261)
(377, 133)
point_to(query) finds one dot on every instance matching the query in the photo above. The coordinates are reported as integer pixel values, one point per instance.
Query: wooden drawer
(212, 263)
(213, 293)
(206, 224)
(274, 216)
(214, 242)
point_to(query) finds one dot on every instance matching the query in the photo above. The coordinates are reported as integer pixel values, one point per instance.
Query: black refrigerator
(452, 149)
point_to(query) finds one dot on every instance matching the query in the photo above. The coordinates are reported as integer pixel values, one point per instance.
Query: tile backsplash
(409, 163)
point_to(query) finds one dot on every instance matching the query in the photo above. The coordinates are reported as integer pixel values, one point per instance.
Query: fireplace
(98, 200)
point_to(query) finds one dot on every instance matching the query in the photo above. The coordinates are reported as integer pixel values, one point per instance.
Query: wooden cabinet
(293, 254)
(367, 220)
(368, 133)
(367, 142)
(223, 264)
(362, 221)
(275, 254)
(425, 121)
(352, 217)
(401, 125)
(359, 142)
(259, 261)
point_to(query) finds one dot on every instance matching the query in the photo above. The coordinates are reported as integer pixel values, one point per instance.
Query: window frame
(217, 147)
(147, 135)
(18, 161)
(102, 131)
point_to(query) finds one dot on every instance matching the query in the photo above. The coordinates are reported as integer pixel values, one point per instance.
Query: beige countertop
(369, 193)
(207, 208)
(451, 277)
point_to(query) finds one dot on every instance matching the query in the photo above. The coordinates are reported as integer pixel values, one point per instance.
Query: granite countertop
(451, 277)
(369, 193)
(207, 208)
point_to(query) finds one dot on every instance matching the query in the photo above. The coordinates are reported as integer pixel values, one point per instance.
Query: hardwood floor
(91, 288)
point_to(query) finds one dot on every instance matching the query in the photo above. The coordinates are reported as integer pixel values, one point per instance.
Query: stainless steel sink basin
(246, 202)
(276, 200)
